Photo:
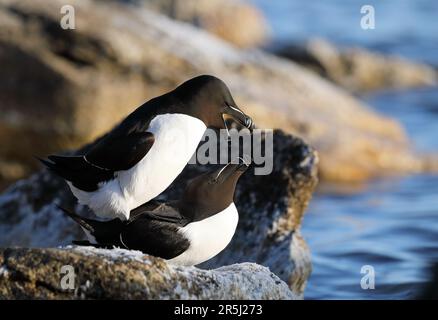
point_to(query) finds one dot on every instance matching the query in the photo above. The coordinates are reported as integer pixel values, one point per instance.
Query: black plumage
(205, 97)
(153, 228)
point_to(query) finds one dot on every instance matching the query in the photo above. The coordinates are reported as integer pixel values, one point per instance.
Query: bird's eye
(213, 181)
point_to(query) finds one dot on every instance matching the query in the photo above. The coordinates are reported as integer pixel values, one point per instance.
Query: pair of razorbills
(123, 172)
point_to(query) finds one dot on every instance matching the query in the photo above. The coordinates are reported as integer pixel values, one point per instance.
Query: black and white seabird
(141, 157)
(186, 232)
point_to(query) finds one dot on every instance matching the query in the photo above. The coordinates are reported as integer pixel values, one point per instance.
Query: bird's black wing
(156, 233)
(118, 153)
(158, 211)
(112, 153)
(148, 206)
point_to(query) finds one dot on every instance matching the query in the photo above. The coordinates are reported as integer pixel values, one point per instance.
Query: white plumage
(208, 237)
(176, 139)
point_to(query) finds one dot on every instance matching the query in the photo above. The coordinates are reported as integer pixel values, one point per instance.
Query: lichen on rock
(271, 208)
(121, 274)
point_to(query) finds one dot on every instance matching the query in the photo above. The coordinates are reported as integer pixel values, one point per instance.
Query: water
(390, 224)
(403, 27)
(416, 109)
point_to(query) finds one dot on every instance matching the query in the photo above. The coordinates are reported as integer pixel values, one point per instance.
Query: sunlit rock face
(357, 69)
(62, 88)
(236, 21)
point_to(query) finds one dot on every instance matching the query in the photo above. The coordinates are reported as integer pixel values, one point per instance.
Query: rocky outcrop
(271, 209)
(62, 88)
(235, 21)
(122, 274)
(358, 69)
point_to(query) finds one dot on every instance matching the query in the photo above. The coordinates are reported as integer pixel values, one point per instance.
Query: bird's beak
(232, 168)
(239, 116)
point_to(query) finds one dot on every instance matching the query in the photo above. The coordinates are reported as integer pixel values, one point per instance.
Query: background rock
(271, 209)
(235, 21)
(122, 274)
(357, 69)
(62, 88)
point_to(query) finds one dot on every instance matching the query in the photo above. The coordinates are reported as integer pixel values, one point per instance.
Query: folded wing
(110, 155)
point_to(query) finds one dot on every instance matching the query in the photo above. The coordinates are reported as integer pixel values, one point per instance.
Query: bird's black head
(209, 99)
(212, 192)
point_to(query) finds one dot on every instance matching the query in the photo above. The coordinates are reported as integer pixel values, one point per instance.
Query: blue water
(404, 27)
(390, 224)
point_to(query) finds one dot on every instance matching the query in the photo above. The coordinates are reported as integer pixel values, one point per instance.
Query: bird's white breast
(208, 237)
(176, 139)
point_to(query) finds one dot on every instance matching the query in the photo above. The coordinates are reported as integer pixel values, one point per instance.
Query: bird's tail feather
(77, 170)
(77, 219)
(67, 167)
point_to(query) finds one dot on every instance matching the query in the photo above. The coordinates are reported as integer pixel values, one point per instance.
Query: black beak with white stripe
(238, 115)
(185, 232)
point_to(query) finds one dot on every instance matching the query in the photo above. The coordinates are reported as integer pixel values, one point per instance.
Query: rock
(271, 209)
(122, 274)
(429, 290)
(357, 69)
(235, 21)
(83, 81)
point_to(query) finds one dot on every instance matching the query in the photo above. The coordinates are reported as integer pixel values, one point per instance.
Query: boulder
(271, 208)
(235, 21)
(122, 274)
(357, 69)
(62, 88)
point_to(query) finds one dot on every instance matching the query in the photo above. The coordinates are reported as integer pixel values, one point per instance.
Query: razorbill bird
(186, 232)
(141, 157)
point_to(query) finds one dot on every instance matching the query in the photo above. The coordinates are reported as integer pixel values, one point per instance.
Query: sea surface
(389, 224)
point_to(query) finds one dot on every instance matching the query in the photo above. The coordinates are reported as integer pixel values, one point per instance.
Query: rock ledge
(122, 274)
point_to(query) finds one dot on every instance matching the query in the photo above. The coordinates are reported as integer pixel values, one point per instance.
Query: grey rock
(122, 274)
(357, 69)
(271, 208)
